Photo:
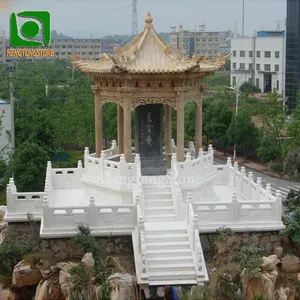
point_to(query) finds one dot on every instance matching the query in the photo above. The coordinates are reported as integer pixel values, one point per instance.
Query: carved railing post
(234, 208)
(235, 171)
(268, 190)
(10, 199)
(251, 180)
(278, 205)
(201, 153)
(114, 147)
(86, 154)
(192, 149)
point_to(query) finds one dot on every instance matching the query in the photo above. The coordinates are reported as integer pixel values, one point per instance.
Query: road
(276, 184)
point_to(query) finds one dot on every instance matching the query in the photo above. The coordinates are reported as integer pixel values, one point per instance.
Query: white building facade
(260, 61)
(5, 122)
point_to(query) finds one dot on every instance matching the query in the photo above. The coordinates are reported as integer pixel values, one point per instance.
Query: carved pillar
(168, 135)
(198, 123)
(120, 129)
(98, 124)
(180, 127)
(127, 127)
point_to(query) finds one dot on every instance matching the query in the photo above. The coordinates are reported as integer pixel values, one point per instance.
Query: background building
(259, 60)
(292, 52)
(62, 47)
(5, 129)
(200, 41)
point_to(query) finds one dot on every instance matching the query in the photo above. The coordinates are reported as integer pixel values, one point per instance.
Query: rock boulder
(25, 274)
(290, 264)
(122, 287)
(269, 263)
(263, 286)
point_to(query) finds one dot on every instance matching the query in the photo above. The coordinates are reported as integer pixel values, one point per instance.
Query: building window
(257, 82)
(234, 66)
(267, 54)
(277, 85)
(276, 68)
(242, 66)
(250, 53)
(277, 55)
(257, 53)
(251, 80)
(242, 53)
(234, 81)
(258, 67)
(250, 66)
(234, 53)
(267, 67)
(203, 40)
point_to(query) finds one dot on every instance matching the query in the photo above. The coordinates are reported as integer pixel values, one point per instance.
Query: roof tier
(148, 53)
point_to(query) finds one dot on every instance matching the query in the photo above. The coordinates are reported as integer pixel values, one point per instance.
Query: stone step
(176, 282)
(149, 211)
(156, 188)
(161, 218)
(158, 203)
(166, 232)
(166, 237)
(157, 195)
(168, 245)
(172, 267)
(185, 259)
(172, 275)
(161, 253)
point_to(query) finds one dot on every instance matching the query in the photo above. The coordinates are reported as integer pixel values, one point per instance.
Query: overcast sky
(81, 18)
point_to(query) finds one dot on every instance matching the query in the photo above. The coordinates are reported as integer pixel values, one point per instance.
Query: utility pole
(243, 19)
(237, 91)
(12, 110)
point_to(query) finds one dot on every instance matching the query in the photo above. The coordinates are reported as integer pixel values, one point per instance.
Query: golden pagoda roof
(148, 53)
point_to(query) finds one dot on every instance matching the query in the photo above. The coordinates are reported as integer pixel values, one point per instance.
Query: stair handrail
(176, 190)
(142, 242)
(192, 222)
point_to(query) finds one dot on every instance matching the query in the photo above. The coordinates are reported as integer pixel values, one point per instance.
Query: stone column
(98, 125)
(120, 129)
(127, 128)
(168, 135)
(198, 123)
(180, 127)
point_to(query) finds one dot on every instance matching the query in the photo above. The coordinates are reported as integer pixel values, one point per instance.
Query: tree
(293, 138)
(29, 167)
(268, 150)
(292, 163)
(242, 132)
(217, 118)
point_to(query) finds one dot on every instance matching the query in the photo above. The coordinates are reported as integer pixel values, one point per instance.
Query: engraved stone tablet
(149, 119)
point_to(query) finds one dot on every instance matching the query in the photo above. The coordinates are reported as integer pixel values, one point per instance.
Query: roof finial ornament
(148, 21)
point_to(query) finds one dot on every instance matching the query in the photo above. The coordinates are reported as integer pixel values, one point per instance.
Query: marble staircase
(169, 254)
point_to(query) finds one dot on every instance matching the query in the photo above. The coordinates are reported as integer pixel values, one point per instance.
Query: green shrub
(10, 254)
(292, 163)
(292, 201)
(201, 293)
(268, 150)
(249, 258)
(258, 298)
(292, 223)
(223, 233)
(249, 88)
(276, 167)
(80, 282)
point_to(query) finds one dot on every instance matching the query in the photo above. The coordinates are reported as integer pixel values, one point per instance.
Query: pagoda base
(155, 166)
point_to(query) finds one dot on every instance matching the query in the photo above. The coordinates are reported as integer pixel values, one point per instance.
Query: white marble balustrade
(22, 205)
(112, 219)
(240, 214)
